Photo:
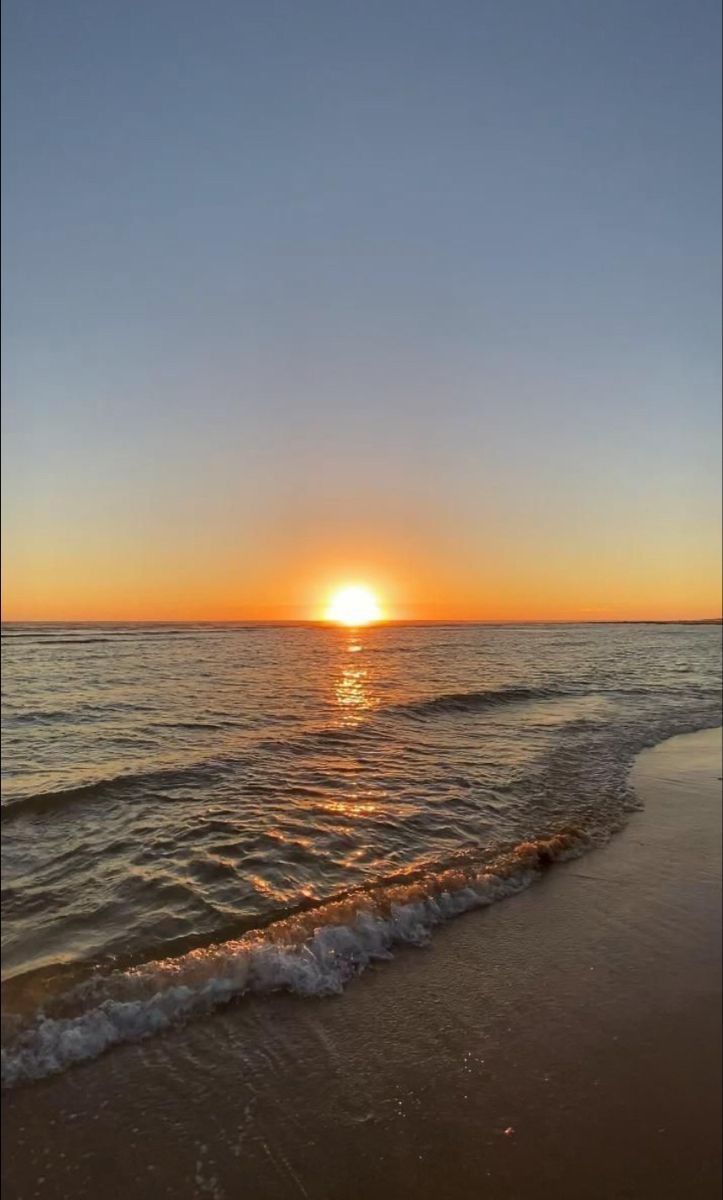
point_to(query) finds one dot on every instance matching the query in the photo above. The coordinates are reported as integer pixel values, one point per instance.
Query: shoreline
(565, 1042)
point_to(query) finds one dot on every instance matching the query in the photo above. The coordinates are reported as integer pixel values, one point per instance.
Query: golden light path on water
(355, 698)
(352, 688)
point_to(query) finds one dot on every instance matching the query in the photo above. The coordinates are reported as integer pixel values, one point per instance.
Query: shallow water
(192, 812)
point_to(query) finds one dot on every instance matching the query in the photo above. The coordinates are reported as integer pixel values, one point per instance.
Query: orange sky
(416, 577)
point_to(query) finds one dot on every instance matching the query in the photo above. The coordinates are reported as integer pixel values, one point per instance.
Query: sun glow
(354, 606)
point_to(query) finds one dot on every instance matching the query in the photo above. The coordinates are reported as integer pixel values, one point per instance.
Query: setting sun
(354, 605)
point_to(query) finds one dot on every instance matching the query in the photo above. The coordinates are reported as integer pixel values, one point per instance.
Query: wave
(38, 716)
(206, 770)
(80, 712)
(313, 953)
(454, 702)
(42, 802)
(102, 633)
(109, 632)
(57, 641)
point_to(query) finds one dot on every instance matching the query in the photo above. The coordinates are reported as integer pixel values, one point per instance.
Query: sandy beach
(565, 1042)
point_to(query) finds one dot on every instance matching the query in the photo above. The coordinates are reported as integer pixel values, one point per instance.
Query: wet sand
(564, 1043)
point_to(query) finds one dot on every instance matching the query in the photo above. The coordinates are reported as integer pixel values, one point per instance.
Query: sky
(420, 294)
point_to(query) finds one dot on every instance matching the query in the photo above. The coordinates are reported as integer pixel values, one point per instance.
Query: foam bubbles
(172, 992)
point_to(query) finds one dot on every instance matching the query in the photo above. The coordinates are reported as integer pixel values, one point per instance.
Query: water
(193, 812)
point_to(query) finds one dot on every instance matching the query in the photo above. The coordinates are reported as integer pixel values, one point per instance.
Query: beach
(361, 607)
(564, 1042)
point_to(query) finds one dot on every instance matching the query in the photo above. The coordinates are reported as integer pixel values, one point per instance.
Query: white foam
(189, 987)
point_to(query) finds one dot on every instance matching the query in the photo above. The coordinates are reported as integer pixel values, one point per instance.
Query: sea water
(195, 812)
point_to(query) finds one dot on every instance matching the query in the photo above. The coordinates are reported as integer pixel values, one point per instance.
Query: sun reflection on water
(352, 688)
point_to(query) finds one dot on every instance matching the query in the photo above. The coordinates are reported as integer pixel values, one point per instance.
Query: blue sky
(282, 279)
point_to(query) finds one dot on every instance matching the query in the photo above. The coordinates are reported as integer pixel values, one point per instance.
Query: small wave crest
(313, 953)
(456, 702)
(141, 781)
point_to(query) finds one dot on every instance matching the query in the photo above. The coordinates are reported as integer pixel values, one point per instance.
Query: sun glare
(354, 606)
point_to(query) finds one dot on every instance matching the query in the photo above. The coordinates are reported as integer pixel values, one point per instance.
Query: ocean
(195, 813)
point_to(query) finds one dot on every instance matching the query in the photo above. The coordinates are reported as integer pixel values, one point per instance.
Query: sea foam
(311, 954)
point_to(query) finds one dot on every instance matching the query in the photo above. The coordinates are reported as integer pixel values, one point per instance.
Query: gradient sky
(422, 294)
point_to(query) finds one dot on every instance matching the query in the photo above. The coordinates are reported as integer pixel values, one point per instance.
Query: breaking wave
(312, 953)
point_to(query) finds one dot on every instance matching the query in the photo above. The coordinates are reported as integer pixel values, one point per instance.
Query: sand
(564, 1043)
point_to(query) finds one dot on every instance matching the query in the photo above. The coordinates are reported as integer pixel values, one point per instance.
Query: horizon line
(319, 621)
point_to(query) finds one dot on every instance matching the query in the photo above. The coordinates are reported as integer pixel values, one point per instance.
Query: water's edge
(313, 953)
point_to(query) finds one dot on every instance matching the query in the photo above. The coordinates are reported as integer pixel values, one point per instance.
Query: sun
(354, 605)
